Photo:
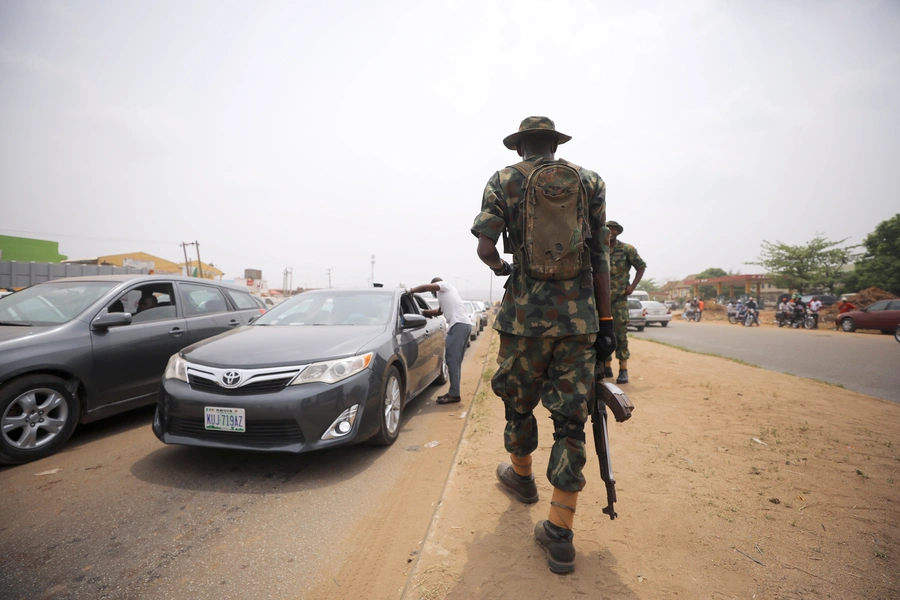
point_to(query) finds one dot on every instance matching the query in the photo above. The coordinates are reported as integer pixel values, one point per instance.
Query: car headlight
(332, 371)
(176, 369)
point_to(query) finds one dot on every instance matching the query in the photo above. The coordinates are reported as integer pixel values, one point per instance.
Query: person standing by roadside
(700, 306)
(458, 329)
(814, 307)
(556, 301)
(622, 258)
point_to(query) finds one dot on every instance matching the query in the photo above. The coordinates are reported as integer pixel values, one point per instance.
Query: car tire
(444, 372)
(641, 328)
(897, 333)
(390, 409)
(848, 325)
(664, 323)
(53, 410)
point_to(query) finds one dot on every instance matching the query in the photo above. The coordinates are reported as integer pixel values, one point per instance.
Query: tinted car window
(883, 305)
(895, 305)
(202, 299)
(147, 302)
(49, 303)
(242, 300)
(635, 304)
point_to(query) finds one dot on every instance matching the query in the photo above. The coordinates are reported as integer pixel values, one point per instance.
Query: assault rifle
(607, 394)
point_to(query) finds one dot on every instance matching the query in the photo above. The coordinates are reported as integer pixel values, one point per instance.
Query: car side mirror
(253, 318)
(413, 321)
(116, 319)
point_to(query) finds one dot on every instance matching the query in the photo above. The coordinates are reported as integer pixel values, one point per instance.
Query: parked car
(431, 303)
(263, 307)
(322, 369)
(474, 317)
(482, 313)
(883, 315)
(636, 315)
(656, 312)
(672, 304)
(83, 348)
(825, 299)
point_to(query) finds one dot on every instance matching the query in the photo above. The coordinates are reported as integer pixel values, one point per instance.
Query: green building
(28, 250)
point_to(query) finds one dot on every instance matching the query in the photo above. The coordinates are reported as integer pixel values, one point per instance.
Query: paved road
(868, 363)
(117, 514)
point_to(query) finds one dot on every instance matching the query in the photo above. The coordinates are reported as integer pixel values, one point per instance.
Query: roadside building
(137, 260)
(29, 250)
(192, 269)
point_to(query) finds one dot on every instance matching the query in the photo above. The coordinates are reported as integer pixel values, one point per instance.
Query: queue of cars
(80, 349)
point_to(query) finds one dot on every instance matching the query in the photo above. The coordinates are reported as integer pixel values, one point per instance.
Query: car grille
(260, 387)
(258, 432)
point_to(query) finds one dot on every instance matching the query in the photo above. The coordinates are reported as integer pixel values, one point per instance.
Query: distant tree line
(820, 264)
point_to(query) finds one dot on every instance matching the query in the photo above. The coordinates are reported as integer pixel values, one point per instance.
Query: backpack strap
(525, 168)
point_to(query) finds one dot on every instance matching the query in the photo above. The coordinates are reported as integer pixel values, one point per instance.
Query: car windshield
(51, 303)
(332, 307)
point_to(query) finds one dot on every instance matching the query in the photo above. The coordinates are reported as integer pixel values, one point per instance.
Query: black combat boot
(623, 376)
(607, 371)
(523, 488)
(557, 543)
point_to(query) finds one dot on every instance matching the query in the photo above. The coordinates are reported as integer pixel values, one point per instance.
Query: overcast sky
(314, 135)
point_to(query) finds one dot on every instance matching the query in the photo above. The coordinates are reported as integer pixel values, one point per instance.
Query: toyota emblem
(231, 378)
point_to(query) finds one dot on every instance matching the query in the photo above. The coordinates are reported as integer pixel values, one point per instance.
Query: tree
(648, 285)
(709, 291)
(879, 265)
(815, 265)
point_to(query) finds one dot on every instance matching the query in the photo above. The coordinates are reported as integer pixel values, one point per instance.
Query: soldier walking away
(622, 258)
(551, 215)
(458, 329)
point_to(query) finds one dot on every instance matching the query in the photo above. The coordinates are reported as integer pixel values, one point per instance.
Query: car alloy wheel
(37, 416)
(897, 333)
(444, 374)
(848, 324)
(391, 409)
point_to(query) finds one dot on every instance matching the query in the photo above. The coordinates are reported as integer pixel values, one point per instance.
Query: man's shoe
(623, 376)
(557, 543)
(448, 399)
(523, 488)
(607, 372)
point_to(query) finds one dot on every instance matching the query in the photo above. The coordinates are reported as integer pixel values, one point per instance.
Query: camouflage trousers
(620, 318)
(558, 373)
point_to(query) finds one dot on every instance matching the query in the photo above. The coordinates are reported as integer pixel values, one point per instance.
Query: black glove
(504, 270)
(606, 340)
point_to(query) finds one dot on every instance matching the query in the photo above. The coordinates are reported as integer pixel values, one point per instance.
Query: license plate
(224, 419)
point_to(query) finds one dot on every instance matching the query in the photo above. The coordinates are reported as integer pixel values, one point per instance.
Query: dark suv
(79, 349)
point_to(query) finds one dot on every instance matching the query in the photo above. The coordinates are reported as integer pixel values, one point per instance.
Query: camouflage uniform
(547, 330)
(622, 258)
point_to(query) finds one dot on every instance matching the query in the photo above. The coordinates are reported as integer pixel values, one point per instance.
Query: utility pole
(373, 270)
(329, 278)
(287, 281)
(199, 262)
(187, 262)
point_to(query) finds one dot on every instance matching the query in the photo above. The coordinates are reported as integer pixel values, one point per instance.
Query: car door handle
(233, 323)
(176, 331)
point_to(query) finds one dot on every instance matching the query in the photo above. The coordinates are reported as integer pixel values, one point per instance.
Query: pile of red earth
(861, 300)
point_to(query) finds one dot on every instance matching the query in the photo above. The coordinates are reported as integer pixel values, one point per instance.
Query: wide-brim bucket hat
(532, 125)
(615, 225)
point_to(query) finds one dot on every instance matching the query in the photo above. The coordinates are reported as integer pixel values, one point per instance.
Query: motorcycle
(802, 318)
(751, 317)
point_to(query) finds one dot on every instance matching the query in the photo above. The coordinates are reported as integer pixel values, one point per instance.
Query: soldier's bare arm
(487, 252)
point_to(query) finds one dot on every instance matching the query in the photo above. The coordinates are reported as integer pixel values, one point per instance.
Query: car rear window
(243, 300)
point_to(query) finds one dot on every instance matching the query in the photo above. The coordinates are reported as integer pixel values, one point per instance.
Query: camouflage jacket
(530, 307)
(622, 258)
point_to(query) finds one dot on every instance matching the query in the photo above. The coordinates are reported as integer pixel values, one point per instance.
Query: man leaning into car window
(459, 328)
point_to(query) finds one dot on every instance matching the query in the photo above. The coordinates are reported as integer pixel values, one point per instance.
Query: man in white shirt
(814, 307)
(458, 329)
